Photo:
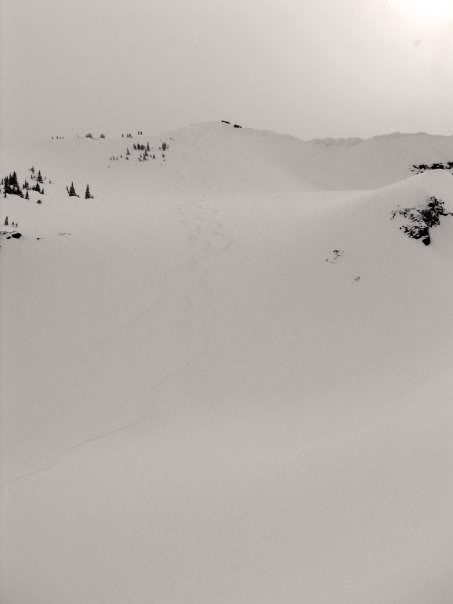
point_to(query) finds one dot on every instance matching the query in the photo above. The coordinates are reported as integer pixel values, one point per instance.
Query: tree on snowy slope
(71, 190)
(11, 185)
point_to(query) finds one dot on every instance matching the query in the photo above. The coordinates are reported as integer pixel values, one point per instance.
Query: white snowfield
(227, 379)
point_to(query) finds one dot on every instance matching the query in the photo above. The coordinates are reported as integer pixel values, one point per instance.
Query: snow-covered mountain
(227, 377)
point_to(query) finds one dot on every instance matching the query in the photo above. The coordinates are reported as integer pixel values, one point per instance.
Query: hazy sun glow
(429, 11)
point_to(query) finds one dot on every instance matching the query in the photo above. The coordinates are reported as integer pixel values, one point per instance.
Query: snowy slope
(222, 383)
(220, 157)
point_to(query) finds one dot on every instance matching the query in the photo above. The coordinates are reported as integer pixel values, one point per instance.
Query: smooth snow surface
(227, 378)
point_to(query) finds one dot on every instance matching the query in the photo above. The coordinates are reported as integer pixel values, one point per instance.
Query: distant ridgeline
(418, 169)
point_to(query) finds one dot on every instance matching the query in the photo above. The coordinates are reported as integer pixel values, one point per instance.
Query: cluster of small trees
(146, 148)
(14, 224)
(11, 185)
(129, 135)
(89, 135)
(36, 188)
(139, 147)
(38, 176)
(419, 168)
(145, 156)
(421, 219)
(72, 192)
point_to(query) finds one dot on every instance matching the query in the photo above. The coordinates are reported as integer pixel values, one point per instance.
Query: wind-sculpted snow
(221, 383)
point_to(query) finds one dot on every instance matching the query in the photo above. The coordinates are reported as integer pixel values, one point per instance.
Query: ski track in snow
(200, 230)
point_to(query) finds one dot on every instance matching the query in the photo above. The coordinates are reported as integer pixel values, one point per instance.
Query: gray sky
(311, 68)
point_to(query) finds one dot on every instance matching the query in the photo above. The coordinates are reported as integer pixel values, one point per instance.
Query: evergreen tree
(27, 196)
(87, 193)
(71, 191)
(40, 180)
(11, 185)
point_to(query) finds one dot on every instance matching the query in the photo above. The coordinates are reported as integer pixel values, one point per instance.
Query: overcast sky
(311, 68)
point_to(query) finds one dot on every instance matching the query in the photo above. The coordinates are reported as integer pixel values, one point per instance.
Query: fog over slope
(227, 377)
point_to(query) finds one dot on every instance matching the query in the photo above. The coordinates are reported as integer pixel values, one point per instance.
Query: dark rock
(16, 235)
